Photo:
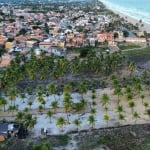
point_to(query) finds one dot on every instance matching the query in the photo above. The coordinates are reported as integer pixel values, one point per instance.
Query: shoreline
(134, 21)
(130, 19)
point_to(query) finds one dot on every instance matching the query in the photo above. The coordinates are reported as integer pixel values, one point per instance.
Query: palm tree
(120, 109)
(29, 121)
(146, 105)
(11, 109)
(77, 122)
(26, 110)
(67, 88)
(40, 108)
(67, 103)
(54, 105)
(30, 103)
(129, 96)
(93, 111)
(135, 116)
(52, 90)
(43, 103)
(105, 100)
(49, 115)
(13, 94)
(131, 67)
(138, 88)
(91, 120)
(3, 102)
(106, 118)
(142, 97)
(121, 117)
(82, 88)
(19, 116)
(78, 107)
(148, 112)
(131, 105)
(117, 91)
(22, 96)
(60, 122)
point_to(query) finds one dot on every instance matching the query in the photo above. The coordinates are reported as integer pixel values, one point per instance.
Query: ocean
(138, 9)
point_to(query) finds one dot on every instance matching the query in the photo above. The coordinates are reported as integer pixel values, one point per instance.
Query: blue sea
(138, 9)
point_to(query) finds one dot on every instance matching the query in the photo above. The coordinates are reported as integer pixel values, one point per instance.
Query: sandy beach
(132, 20)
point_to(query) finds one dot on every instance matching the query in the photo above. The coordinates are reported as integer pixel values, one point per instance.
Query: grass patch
(61, 140)
(141, 52)
(128, 46)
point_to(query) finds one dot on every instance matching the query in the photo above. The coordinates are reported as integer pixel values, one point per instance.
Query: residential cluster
(55, 31)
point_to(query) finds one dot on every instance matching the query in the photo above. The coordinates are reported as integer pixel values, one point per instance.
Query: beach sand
(132, 20)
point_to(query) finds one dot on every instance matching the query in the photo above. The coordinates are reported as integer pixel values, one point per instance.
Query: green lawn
(128, 46)
(141, 52)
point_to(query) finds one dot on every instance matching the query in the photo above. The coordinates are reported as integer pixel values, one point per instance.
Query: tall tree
(91, 120)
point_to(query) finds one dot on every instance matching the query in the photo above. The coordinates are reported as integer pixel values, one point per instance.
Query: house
(3, 39)
(56, 51)
(45, 45)
(9, 45)
(31, 44)
(104, 37)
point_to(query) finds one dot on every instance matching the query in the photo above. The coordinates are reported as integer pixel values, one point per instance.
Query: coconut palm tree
(43, 103)
(135, 116)
(129, 96)
(93, 111)
(40, 108)
(138, 88)
(60, 122)
(11, 109)
(142, 97)
(22, 96)
(3, 102)
(78, 108)
(121, 117)
(68, 88)
(67, 103)
(49, 115)
(105, 100)
(131, 67)
(77, 123)
(30, 103)
(147, 112)
(118, 92)
(106, 118)
(91, 120)
(131, 104)
(146, 105)
(26, 110)
(13, 94)
(82, 88)
(52, 90)
(120, 109)
(19, 116)
(54, 105)
(29, 121)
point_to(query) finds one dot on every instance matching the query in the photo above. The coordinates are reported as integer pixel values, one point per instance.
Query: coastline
(132, 20)
(145, 27)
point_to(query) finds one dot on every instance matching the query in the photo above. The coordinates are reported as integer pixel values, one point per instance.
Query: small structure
(8, 130)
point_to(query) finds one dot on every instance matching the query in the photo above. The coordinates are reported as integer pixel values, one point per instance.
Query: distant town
(54, 30)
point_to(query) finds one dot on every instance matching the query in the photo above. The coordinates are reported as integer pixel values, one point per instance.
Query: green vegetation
(140, 53)
(44, 146)
(125, 46)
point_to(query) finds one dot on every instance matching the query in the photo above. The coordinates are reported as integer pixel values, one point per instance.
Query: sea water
(138, 9)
